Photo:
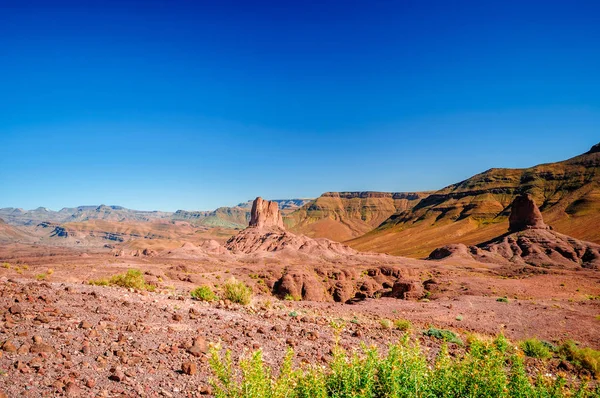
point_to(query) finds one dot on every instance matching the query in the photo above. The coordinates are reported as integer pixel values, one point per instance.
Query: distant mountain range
(228, 217)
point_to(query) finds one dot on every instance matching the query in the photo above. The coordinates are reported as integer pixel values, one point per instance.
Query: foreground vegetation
(487, 369)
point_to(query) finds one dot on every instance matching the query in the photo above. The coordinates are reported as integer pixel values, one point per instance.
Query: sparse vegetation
(6, 265)
(402, 324)
(483, 371)
(41, 277)
(237, 292)
(535, 348)
(132, 279)
(442, 334)
(502, 299)
(385, 323)
(203, 293)
(585, 358)
(289, 297)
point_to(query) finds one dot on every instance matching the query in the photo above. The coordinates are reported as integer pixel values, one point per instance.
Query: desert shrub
(385, 323)
(6, 265)
(535, 348)
(502, 299)
(203, 293)
(502, 344)
(585, 358)
(290, 297)
(237, 292)
(41, 277)
(442, 334)
(132, 279)
(403, 371)
(402, 324)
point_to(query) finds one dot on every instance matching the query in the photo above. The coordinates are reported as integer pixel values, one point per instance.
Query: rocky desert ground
(66, 331)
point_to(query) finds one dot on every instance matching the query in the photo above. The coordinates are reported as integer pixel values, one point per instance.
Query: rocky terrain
(59, 335)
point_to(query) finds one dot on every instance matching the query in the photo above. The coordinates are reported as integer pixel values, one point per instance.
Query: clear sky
(196, 104)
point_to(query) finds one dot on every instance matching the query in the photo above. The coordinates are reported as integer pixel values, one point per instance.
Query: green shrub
(502, 299)
(289, 297)
(403, 371)
(41, 277)
(132, 279)
(402, 324)
(442, 334)
(203, 293)
(585, 358)
(535, 348)
(237, 292)
(385, 323)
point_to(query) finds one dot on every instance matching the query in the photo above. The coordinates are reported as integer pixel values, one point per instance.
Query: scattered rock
(15, 309)
(9, 346)
(189, 368)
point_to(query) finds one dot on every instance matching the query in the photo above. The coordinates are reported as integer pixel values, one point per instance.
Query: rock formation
(525, 215)
(265, 214)
(266, 233)
(595, 149)
(530, 242)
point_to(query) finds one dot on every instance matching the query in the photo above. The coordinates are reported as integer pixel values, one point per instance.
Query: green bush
(403, 371)
(441, 334)
(203, 293)
(132, 279)
(585, 358)
(502, 299)
(535, 348)
(237, 292)
(402, 324)
(385, 323)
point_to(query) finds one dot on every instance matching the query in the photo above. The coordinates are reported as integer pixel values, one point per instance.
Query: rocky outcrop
(525, 215)
(265, 213)
(407, 289)
(530, 242)
(595, 149)
(300, 284)
(266, 233)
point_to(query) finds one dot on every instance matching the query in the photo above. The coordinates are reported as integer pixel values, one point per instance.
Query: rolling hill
(345, 215)
(475, 210)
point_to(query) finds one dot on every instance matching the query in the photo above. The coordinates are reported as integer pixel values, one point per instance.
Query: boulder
(407, 289)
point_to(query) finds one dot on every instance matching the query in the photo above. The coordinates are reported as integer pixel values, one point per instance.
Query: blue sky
(193, 105)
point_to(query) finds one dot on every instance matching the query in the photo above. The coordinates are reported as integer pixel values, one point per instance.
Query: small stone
(9, 346)
(90, 383)
(177, 317)
(189, 368)
(15, 309)
(35, 363)
(85, 325)
(38, 348)
(117, 375)
(72, 390)
(24, 349)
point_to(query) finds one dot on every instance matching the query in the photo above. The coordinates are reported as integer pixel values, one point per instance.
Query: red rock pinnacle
(265, 214)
